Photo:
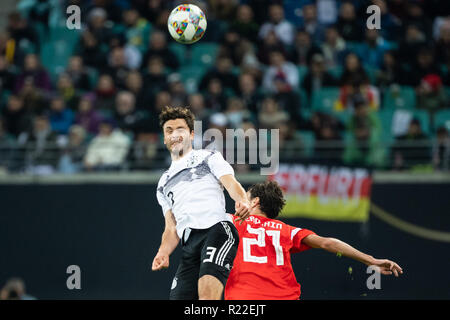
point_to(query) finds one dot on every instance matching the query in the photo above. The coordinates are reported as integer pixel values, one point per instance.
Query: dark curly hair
(172, 113)
(271, 199)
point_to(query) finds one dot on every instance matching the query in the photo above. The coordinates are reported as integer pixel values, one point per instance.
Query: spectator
(177, 90)
(443, 45)
(6, 76)
(372, 49)
(129, 119)
(248, 92)
(431, 95)
(93, 52)
(244, 24)
(155, 79)
(236, 112)
(86, 117)
(348, 25)
(197, 105)
(267, 45)
(223, 72)
(283, 29)
(271, 116)
(424, 65)
(390, 72)
(410, 45)
(15, 289)
(118, 66)
(159, 48)
(97, 25)
(234, 46)
(224, 10)
(136, 29)
(42, 147)
(16, 118)
(32, 69)
(415, 15)
(441, 150)
(105, 93)
(411, 148)
(311, 24)
(135, 84)
(333, 47)
(327, 133)
(304, 48)
(33, 98)
(215, 98)
(24, 36)
(162, 99)
(365, 129)
(67, 91)
(78, 73)
(7, 148)
(353, 70)
(317, 77)
(108, 150)
(391, 25)
(71, 160)
(61, 117)
(281, 76)
(353, 92)
(290, 144)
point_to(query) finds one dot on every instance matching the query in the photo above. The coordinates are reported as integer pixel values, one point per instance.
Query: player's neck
(178, 155)
(258, 212)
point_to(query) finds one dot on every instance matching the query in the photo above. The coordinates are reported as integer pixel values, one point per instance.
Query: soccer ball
(187, 23)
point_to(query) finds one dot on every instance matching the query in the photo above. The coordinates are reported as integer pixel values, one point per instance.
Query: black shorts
(207, 251)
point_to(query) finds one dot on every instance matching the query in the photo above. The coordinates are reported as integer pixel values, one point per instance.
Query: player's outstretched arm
(169, 242)
(387, 267)
(238, 194)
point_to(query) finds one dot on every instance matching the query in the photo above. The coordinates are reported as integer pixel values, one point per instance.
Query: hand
(242, 210)
(161, 261)
(387, 267)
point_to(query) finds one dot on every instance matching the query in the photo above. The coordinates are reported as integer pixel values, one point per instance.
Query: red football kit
(262, 268)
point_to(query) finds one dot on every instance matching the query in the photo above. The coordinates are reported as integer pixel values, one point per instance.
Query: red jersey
(262, 268)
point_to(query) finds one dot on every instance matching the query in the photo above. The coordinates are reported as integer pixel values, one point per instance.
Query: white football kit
(192, 190)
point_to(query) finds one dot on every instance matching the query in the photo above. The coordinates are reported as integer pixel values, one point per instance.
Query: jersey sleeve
(219, 166)
(162, 199)
(297, 235)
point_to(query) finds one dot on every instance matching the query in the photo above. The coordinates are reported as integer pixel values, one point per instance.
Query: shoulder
(163, 178)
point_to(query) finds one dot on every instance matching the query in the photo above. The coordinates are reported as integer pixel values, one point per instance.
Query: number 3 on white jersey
(260, 241)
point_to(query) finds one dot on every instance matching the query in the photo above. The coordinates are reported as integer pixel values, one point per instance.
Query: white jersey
(192, 190)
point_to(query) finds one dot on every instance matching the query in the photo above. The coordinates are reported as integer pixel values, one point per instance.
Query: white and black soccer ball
(187, 23)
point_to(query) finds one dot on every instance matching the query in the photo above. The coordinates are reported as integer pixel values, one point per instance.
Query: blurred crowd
(275, 66)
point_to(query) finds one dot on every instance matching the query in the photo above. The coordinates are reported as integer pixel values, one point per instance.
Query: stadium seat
(302, 71)
(293, 11)
(386, 117)
(204, 54)
(324, 99)
(442, 119)
(180, 51)
(402, 97)
(308, 141)
(191, 76)
(336, 71)
(424, 119)
(56, 52)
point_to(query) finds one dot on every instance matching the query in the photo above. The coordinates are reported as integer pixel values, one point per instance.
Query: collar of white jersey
(184, 157)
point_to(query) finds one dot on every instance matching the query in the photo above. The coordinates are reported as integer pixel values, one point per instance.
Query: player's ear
(254, 202)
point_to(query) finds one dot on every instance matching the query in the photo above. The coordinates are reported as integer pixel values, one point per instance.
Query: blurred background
(81, 149)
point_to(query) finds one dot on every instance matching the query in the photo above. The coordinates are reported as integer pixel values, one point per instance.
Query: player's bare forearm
(170, 239)
(238, 194)
(337, 246)
(234, 188)
(386, 267)
(169, 242)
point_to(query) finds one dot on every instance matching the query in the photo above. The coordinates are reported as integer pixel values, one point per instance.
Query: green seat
(56, 52)
(335, 71)
(191, 77)
(180, 51)
(302, 71)
(324, 99)
(386, 117)
(308, 141)
(442, 119)
(402, 97)
(204, 54)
